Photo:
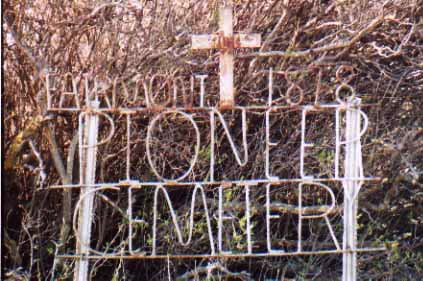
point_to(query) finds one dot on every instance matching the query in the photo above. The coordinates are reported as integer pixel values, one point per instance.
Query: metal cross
(226, 42)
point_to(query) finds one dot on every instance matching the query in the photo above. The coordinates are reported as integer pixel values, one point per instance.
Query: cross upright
(226, 42)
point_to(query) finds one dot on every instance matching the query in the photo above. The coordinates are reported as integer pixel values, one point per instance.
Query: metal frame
(352, 181)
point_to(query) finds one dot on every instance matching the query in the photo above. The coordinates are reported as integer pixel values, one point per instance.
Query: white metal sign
(101, 103)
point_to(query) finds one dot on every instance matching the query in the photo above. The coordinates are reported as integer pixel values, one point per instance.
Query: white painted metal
(202, 89)
(175, 219)
(226, 62)
(324, 215)
(221, 218)
(88, 154)
(352, 180)
(268, 145)
(248, 40)
(353, 169)
(304, 145)
(226, 41)
(153, 123)
(269, 216)
(230, 138)
(203, 41)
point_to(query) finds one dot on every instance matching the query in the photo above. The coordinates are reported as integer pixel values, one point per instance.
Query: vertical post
(226, 61)
(352, 183)
(88, 157)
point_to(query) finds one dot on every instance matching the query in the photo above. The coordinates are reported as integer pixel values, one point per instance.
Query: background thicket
(382, 41)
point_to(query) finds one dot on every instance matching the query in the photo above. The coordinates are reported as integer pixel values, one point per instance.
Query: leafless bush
(304, 40)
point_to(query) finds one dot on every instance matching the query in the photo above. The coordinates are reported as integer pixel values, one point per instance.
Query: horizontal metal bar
(135, 184)
(225, 256)
(137, 110)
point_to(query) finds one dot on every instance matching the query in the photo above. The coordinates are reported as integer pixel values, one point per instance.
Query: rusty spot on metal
(156, 108)
(226, 184)
(226, 105)
(226, 42)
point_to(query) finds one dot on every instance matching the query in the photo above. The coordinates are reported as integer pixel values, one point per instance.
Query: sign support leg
(352, 184)
(88, 157)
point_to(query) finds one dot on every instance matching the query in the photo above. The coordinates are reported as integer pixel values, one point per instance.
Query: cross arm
(249, 40)
(218, 41)
(204, 41)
